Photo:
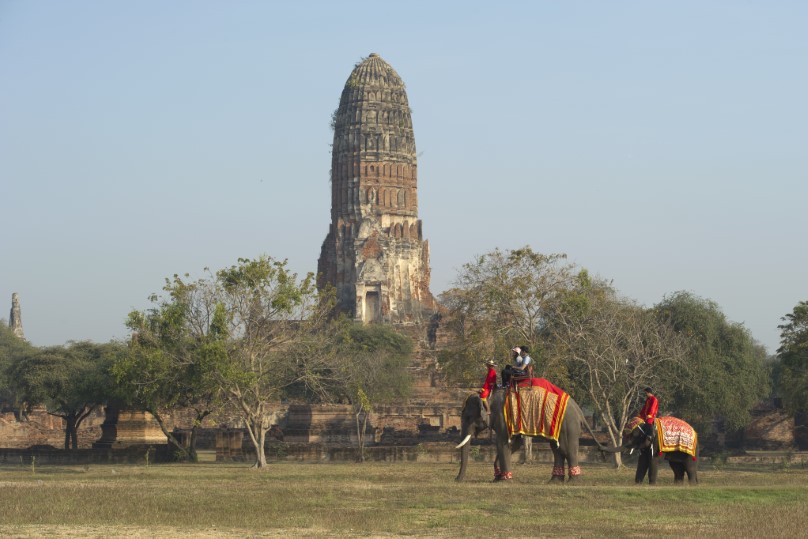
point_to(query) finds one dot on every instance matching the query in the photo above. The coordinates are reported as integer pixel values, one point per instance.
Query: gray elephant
(681, 452)
(475, 419)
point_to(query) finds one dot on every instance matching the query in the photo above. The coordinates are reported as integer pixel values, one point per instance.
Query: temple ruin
(375, 255)
(15, 318)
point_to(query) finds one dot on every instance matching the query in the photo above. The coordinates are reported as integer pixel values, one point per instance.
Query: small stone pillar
(15, 319)
(229, 444)
(124, 428)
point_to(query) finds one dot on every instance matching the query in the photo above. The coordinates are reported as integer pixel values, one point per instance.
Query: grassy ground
(389, 499)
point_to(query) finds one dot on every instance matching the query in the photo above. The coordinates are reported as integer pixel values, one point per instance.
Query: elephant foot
(557, 479)
(504, 476)
(574, 479)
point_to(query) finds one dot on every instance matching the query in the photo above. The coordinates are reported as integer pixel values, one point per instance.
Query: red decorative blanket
(537, 408)
(674, 434)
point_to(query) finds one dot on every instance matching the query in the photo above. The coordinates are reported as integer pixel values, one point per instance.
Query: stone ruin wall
(374, 254)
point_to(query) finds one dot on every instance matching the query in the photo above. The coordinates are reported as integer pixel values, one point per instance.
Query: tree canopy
(254, 330)
(792, 376)
(70, 381)
(372, 369)
(724, 374)
(12, 348)
(613, 349)
(500, 300)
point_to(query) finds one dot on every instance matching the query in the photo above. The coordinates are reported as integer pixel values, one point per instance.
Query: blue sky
(661, 145)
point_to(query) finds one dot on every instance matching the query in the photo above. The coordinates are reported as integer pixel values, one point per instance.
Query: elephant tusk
(464, 442)
(632, 451)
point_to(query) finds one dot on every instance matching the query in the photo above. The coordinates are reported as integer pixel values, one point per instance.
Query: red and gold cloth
(536, 408)
(673, 434)
(632, 424)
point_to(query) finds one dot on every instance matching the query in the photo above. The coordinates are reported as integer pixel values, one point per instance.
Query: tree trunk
(360, 434)
(71, 427)
(200, 416)
(171, 438)
(261, 460)
(255, 428)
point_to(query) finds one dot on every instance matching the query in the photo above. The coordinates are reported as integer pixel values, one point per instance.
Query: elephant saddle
(673, 434)
(535, 407)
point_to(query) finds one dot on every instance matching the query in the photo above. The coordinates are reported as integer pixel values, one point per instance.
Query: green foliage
(12, 348)
(725, 373)
(250, 332)
(501, 300)
(612, 347)
(792, 372)
(69, 380)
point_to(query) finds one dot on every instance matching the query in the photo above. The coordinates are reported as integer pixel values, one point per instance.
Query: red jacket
(649, 409)
(489, 384)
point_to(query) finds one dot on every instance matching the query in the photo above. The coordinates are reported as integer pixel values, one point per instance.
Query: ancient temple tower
(375, 255)
(15, 318)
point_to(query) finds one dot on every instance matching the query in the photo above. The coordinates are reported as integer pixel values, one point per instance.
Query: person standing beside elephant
(649, 411)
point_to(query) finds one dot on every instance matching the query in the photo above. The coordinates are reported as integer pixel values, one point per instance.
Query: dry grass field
(393, 499)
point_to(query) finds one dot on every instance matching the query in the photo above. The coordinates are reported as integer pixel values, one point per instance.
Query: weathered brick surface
(374, 254)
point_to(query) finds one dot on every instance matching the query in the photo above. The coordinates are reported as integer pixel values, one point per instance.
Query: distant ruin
(15, 318)
(375, 255)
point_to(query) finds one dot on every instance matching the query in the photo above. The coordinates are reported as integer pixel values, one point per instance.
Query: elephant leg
(504, 460)
(691, 468)
(678, 472)
(642, 467)
(572, 460)
(558, 464)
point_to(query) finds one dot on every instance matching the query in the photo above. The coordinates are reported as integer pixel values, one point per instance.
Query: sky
(660, 145)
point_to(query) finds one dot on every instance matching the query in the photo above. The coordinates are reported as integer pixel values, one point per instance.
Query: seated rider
(490, 382)
(649, 412)
(508, 371)
(524, 363)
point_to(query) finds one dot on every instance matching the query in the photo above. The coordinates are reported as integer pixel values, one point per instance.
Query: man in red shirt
(649, 411)
(490, 382)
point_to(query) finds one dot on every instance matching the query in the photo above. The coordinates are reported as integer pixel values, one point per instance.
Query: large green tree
(165, 367)
(792, 375)
(12, 348)
(372, 369)
(502, 299)
(70, 381)
(613, 349)
(725, 372)
(257, 331)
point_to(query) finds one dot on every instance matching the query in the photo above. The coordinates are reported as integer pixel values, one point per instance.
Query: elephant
(475, 419)
(648, 462)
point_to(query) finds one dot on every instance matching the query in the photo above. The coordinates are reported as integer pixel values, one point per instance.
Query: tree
(725, 371)
(12, 348)
(372, 369)
(164, 368)
(613, 349)
(258, 331)
(792, 376)
(501, 300)
(71, 381)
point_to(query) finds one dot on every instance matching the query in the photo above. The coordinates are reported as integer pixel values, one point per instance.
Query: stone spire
(374, 254)
(15, 319)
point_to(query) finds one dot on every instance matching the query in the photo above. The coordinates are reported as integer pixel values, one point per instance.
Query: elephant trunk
(618, 449)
